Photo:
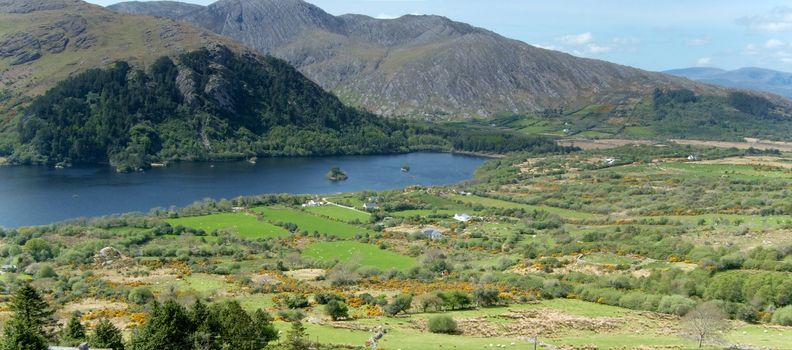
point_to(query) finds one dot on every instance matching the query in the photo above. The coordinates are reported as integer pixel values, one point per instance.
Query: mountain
(45, 41)
(421, 65)
(751, 78)
(169, 9)
(82, 84)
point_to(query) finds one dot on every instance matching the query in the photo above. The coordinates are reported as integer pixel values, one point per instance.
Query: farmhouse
(610, 161)
(462, 217)
(432, 234)
(693, 157)
(313, 203)
(370, 206)
(376, 199)
(8, 268)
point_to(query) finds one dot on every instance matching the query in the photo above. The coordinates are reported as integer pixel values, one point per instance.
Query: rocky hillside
(421, 65)
(45, 41)
(171, 9)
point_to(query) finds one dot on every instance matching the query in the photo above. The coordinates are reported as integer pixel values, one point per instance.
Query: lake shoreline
(36, 195)
(4, 161)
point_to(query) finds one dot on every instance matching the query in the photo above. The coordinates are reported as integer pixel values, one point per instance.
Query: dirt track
(613, 143)
(749, 142)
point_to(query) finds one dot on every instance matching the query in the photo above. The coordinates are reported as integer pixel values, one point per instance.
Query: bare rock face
(186, 86)
(28, 6)
(26, 47)
(419, 65)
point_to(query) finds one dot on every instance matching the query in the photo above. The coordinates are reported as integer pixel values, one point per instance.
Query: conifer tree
(25, 329)
(108, 336)
(74, 333)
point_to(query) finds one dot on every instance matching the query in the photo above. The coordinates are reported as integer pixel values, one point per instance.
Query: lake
(31, 195)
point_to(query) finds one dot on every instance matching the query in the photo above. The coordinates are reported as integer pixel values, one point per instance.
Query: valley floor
(574, 251)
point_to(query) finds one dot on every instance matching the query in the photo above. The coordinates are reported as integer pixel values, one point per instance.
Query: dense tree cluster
(750, 104)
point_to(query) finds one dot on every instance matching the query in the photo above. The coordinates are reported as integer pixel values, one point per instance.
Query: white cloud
(777, 20)
(595, 48)
(579, 39)
(549, 47)
(704, 61)
(626, 41)
(774, 43)
(385, 16)
(584, 44)
(772, 51)
(699, 41)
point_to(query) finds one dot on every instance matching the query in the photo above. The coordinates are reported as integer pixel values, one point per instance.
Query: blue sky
(653, 35)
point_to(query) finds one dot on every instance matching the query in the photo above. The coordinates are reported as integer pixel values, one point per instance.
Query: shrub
(455, 300)
(140, 295)
(675, 304)
(296, 301)
(400, 304)
(486, 297)
(442, 324)
(336, 310)
(783, 316)
(324, 298)
(46, 271)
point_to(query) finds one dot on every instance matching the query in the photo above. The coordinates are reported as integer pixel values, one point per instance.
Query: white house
(693, 157)
(370, 206)
(462, 217)
(610, 161)
(312, 203)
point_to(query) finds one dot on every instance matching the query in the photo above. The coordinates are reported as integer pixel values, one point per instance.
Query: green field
(308, 222)
(747, 172)
(364, 254)
(339, 213)
(497, 203)
(245, 225)
(424, 212)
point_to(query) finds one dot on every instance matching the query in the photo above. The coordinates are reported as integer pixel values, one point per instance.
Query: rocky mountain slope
(421, 65)
(158, 8)
(82, 84)
(752, 78)
(45, 41)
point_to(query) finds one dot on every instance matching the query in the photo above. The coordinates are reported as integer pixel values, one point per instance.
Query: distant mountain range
(418, 65)
(759, 79)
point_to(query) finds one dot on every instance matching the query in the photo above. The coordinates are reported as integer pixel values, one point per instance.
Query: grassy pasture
(245, 225)
(497, 203)
(339, 213)
(746, 172)
(308, 222)
(368, 255)
(424, 212)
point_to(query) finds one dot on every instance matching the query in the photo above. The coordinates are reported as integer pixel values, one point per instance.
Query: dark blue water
(39, 195)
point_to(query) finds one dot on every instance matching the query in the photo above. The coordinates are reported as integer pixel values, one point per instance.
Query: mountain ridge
(427, 66)
(752, 78)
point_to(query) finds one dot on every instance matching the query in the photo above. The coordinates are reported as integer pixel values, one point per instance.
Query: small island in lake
(336, 174)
